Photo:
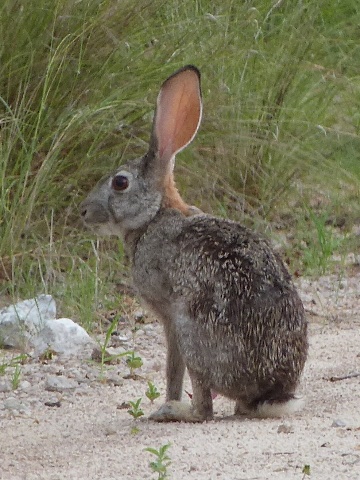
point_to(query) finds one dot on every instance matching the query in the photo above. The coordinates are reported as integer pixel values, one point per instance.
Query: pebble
(285, 428)
(110, 430)
(112, 351)
(338, 423)
(119, 340)
(59, 384)
(80, 376)
(139, 315)
(115, 380)
(5, 387)
(149, 330)
(123, 338)
(12, 403)
(24, 385)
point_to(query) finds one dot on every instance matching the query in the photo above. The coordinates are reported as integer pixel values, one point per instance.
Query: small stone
(24, 385)
(115, 380)
(53, 404)
(5, 387)
(12, 403)
(117, 352)
(123, 338)
(118, 340)
(285, 428)
(110, 430)
(338, 423)
(139, 315)
(59, 384)
(149, 330)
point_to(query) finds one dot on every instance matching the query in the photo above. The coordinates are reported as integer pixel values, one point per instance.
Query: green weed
(14, 362)
(162, 462)
(135, 411)
(152, 392)
(318, 253)
(306, 471)
(16, 377)
(133, 362)
(104, 356)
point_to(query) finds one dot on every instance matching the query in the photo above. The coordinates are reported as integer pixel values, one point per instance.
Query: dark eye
(120, 183)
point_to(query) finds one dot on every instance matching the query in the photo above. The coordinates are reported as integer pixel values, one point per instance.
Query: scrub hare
(230, 311)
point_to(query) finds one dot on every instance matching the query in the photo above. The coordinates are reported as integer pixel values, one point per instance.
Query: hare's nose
(93, 212)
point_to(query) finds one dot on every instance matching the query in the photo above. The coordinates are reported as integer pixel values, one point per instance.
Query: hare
(231, 314)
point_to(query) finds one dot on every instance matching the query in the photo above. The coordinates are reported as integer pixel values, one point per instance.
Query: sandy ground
(90, 435)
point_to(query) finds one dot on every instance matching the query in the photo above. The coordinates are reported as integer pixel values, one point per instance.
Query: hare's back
(227, 271)
(227, 252)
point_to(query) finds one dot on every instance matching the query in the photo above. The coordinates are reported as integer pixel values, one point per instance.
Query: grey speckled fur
(230, 311)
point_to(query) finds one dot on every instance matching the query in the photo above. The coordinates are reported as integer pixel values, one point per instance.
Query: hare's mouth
(100, 229)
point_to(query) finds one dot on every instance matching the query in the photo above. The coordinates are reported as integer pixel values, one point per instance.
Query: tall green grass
(78, 82)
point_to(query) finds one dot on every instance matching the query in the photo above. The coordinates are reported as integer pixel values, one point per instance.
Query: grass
(16, 377)
(78, 82)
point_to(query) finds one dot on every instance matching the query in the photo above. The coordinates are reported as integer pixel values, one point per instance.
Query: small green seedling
(152, 392)
(47, 355)
(160, 465)
(104, 345)
(15, 379)
(103, 356)
(133, 362)
(135, 411)
(306, 471)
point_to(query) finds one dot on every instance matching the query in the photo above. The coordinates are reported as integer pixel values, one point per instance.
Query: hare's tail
(279, 409)
(270, 408)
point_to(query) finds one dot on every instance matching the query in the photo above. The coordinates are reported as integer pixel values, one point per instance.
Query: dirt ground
(89, 435)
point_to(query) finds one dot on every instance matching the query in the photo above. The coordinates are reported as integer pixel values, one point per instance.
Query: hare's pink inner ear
(178, 113)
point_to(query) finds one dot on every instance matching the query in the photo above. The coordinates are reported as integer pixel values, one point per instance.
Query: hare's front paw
(175, 411)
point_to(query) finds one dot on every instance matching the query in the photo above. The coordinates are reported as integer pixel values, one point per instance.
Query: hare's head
(130, 197)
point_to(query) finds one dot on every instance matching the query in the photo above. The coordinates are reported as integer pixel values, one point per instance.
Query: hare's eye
(120, 183)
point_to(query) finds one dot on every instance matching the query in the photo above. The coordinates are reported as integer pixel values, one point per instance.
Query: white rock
(64, 337)
(20, 322)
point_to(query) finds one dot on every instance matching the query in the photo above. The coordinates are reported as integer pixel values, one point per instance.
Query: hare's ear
(177, 118)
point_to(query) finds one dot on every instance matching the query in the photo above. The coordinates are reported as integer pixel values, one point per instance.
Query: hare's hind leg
(199, 410)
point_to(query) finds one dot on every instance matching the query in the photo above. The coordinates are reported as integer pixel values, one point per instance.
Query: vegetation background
(278, 148)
